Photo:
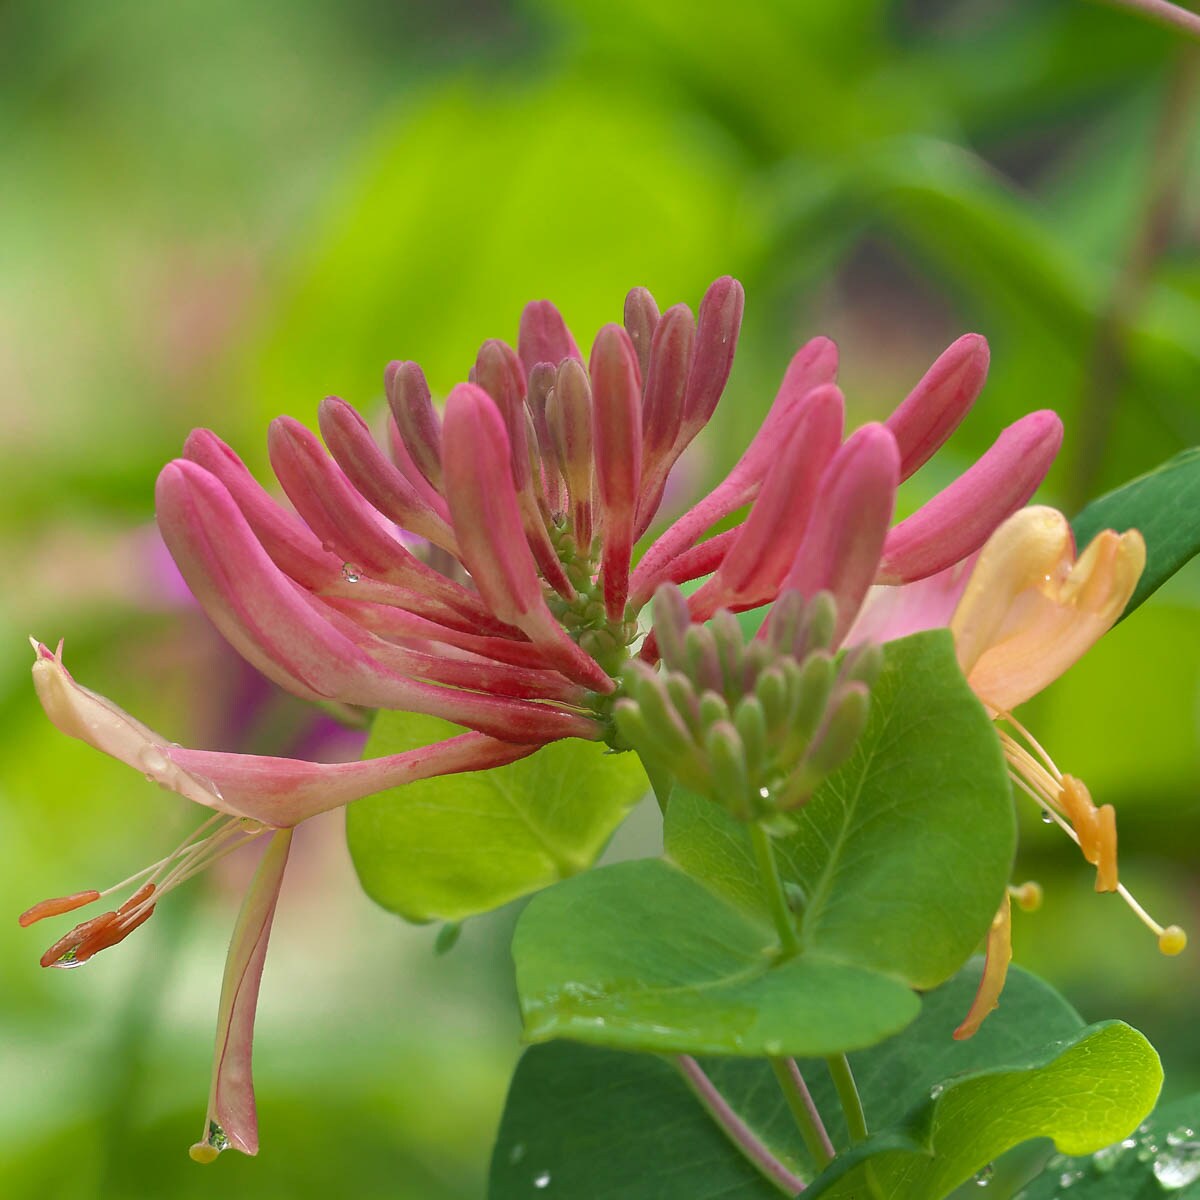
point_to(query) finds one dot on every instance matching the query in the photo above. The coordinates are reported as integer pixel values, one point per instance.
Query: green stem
(807, 1118)
(736, 1129)
(843, 1080)
(768, 871)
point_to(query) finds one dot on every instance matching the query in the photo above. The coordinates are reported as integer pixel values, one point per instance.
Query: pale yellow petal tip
(1172, 941)
(203, 1152)
(1028, 895)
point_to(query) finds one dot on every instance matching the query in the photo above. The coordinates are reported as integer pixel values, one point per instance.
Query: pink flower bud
(959, 519)
(487, 519)
(416, 419)
(841, 548)
(377, 479)
(617, 439)
(544, 336)
(641, 320)
(933, 409)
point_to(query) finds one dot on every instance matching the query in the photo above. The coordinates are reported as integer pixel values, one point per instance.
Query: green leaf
(901, 858)
(1163, 1155)
(1083, 1091)
(643, 956)
(449, 848)
(602, 1125)
(606, 1125)
(1163, 504)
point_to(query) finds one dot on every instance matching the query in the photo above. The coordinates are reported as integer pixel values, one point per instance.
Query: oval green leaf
(642, 956)
(453, 847)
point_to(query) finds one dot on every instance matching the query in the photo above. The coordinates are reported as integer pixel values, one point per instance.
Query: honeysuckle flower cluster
(479, 566)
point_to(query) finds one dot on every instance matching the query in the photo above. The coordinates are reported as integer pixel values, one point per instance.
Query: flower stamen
(194, 854)
(1067, 802)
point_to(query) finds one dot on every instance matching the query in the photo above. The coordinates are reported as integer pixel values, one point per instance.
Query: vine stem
(768, 871)
(847, 1090)
(800, 1101)
(1165, 13)
(735, 1128)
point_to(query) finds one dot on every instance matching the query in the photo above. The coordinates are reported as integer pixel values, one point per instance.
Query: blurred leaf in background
(215, 212)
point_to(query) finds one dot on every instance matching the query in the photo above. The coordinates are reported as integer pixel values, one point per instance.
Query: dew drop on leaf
(1179, 1164)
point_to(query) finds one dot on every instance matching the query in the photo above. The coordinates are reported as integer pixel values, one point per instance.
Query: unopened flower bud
(671, 623)
(751, 724)
(809, 686)
(844, 723)
(713, 708)
(727, 767)
(683, 697)
(771, 690)
(416, 419)
(729, 640)
(703, 663)
(641, 319)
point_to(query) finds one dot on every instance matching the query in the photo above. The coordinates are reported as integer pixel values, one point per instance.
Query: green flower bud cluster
(755, 727)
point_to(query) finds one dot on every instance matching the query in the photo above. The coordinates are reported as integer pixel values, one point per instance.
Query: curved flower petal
(274, 791)
(995, 972)
(231, 1120)
(1030, 609)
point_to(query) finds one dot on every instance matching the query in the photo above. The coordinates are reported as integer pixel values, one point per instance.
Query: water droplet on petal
(984, 1175)
(542, 1180)
(1047, 819)
(207, 1150)
(350, 573)
(153, 761)
(765, 793)
(936, 1090)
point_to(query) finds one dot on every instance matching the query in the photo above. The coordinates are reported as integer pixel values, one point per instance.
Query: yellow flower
(1029, 610)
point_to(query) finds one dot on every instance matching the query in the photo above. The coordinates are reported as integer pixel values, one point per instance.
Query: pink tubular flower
(518, 613)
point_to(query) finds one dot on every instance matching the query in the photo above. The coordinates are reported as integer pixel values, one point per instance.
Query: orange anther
(79, 934)
(56, 907)
(1081, 812)
(110, 935)
(136, 898)
(1106, 849)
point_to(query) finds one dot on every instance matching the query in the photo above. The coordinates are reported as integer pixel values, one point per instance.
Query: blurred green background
(214, 212)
